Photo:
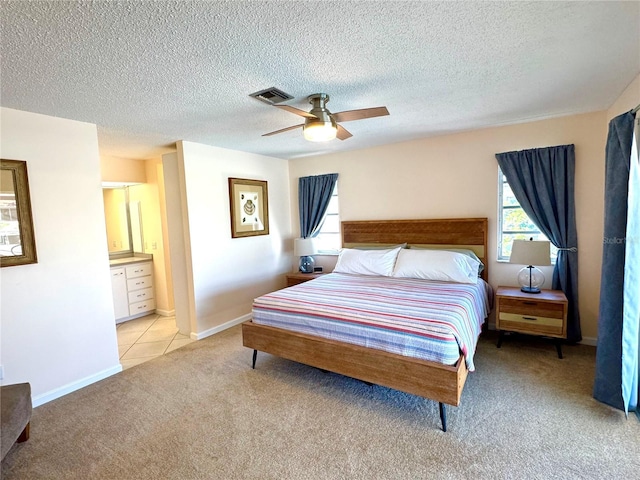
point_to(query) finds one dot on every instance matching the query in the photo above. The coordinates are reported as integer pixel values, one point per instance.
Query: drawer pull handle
(530, 318)
(530, 303)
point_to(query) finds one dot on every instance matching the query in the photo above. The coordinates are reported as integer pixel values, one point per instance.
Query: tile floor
(146, 338)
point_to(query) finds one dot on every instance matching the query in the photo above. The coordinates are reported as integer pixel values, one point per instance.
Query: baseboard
(72, 387)
(220, 328)
(166, 313)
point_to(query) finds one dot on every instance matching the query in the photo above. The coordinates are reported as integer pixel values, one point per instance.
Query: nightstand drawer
(532, 308)
(531, 323)
(297, 278)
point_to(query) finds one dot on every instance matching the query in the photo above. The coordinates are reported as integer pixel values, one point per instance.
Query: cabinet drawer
(532, 308)
(142, 307)
(516, 322)
(139, 270)
(117, 272)
(139, 283)
(140, 295)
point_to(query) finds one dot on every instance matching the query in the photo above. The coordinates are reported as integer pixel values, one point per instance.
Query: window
(329, 239)
(514, 224)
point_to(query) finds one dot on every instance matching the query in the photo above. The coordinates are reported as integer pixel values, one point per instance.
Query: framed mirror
(123, 219)
(17, 240)
(116, 211)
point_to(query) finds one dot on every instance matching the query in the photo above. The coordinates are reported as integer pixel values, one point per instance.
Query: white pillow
(367, 262)
(442, 265)
(464, 251)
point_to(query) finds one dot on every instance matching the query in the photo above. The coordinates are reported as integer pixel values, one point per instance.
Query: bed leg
(255, 355)
(443, 416)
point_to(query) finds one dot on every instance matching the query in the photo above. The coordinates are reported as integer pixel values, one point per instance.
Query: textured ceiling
(151, 73)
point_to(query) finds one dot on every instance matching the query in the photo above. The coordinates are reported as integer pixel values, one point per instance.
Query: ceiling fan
(321, 125)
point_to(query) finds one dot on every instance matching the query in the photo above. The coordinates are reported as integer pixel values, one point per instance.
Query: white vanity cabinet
(133, 294)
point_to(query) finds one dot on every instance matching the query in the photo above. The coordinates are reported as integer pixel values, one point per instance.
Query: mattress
(435, 321)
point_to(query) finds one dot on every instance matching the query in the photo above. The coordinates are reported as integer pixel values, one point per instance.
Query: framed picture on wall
(249, 204)
(17, 239)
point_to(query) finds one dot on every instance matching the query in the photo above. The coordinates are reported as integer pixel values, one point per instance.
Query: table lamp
(530, 252)
(304, 248)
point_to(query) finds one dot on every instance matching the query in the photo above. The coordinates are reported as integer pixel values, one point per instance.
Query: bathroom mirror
(17, 240)
(123, 221)
(117, 219)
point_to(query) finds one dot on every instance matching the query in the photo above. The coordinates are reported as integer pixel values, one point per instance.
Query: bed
(398, 367)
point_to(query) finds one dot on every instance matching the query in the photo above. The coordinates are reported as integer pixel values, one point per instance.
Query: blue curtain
(542, 180)
(314, 194)
(631, 308)
(616, 366)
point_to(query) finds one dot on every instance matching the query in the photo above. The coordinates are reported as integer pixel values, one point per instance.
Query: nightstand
(543, 314)
(299, 277)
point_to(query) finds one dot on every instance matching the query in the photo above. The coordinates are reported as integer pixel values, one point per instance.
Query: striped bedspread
(433, 321)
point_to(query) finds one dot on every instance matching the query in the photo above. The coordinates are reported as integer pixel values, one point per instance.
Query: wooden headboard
(468, 233)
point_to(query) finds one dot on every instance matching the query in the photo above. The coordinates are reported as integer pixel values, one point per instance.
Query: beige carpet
(201, 412)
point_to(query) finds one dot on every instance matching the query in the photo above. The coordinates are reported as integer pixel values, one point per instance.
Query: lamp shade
(531, 252)
(303, 247)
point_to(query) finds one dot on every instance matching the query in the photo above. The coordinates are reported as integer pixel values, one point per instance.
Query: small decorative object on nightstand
(304, 248)
(298, 277)
(543, 314)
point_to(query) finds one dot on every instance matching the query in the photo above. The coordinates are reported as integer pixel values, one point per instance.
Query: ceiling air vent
(271, 96)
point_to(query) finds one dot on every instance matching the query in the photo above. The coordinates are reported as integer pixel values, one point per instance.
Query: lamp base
(306, 264)
(530, 289)
(530, 279)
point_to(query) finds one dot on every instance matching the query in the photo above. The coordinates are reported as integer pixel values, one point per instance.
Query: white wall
(57, 320)
(178, 243)
(226, 273)
(115, 169)
(457, 176)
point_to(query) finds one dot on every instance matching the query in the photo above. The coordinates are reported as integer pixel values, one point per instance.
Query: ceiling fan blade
(343, 133)
(350, 115)
(297, 111)
(283, 130)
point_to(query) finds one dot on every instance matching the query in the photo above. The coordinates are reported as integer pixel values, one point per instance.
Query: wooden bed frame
(442, 383)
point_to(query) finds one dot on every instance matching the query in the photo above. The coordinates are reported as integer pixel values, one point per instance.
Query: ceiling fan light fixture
(320, 125)
(319, 131)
